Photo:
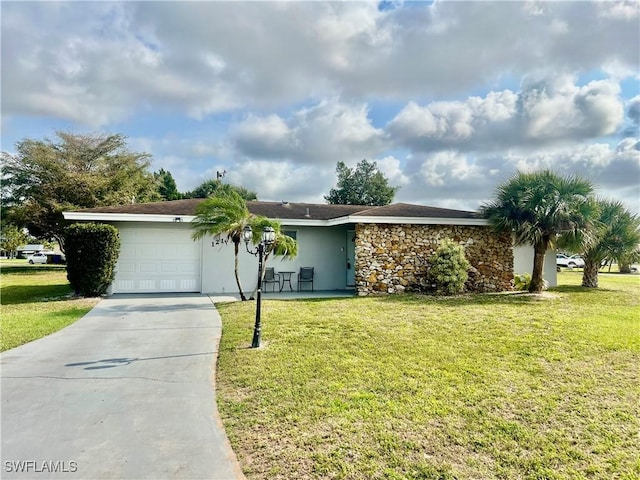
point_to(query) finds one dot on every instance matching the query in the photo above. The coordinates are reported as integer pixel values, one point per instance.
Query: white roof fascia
(302, 222)
(479, 222)
(138, 217)
(126, 217)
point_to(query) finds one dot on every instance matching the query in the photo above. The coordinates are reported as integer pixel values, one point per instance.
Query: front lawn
(484, 386)
(36, 301)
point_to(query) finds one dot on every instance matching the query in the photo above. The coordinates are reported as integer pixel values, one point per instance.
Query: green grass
(484, 386)
(36, 301)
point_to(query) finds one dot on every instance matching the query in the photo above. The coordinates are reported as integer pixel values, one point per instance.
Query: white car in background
(39, 257)
(570, 262)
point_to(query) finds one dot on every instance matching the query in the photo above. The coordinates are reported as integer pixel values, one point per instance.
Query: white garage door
(156, 260)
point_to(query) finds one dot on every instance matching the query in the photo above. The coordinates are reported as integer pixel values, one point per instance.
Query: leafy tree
(448, 268)
(166, 184)
(542, 208)
(225, 213)
(92, 254)
(366, 185)
(210, 187)
(48, 244)
(248, 195)
(615, 235)
(44, 178)
(11, 238)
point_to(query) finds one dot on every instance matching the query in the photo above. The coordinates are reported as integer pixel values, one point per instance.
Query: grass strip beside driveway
(36, 301)
(481, 386)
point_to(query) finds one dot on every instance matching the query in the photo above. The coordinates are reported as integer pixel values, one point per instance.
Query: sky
(449, 98)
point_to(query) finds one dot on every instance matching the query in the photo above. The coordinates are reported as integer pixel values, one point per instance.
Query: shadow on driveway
(118, 362)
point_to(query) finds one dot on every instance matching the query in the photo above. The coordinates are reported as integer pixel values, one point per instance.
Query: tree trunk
(236, 250)
(60, 240)
(625, 268)
(590, 274)
(537, 282)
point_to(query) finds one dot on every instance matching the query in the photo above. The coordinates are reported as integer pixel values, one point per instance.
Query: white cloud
(626, 10)
(201, 58)
(392, 169)
(325, 133)
(276, 181)
(277, 93)
(448, 167)
(543, 113)
(633, 106)
(561, 110)
(265, 137)
(453, 123)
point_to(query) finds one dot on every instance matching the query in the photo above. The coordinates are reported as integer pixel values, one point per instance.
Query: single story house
(25, 250)
(367, 249)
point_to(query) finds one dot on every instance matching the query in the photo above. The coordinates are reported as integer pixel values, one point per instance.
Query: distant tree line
(167, 189)
(43, 178)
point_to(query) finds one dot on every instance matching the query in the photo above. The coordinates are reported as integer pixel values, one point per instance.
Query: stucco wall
(523, 263)
(320, 247)
(393, 258)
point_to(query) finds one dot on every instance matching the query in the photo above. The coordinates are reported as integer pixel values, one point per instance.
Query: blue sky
(449, 98)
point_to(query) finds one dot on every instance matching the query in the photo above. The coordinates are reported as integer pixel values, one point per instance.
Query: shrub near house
(92, 253)
(448, 268)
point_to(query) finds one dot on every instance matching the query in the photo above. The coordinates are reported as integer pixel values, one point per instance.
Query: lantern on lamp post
(266, 242)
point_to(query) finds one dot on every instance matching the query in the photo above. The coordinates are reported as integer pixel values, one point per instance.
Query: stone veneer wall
(393, 258)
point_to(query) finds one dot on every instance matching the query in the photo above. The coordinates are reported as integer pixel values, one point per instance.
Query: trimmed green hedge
(92, 252)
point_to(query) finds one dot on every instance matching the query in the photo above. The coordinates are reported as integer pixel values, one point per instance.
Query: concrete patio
(286, 295)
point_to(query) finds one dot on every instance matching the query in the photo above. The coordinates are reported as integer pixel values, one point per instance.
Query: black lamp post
(268, 238)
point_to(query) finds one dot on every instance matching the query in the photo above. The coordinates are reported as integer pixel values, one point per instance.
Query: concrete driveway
(127, 392)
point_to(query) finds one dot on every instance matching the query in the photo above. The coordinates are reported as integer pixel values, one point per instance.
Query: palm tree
(616, 235)
(224, 213)
(284, 245)
(625, 260)
(539, 208)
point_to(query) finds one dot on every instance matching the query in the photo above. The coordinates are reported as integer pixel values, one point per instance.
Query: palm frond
(537, 206)
(284, 245)
(225, 213)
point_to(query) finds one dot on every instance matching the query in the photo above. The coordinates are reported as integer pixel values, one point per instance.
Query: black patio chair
(305, 276)
(271, 277)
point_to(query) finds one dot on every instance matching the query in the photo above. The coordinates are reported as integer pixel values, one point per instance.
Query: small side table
(286, 277)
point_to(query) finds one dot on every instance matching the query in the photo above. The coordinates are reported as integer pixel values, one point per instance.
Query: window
(291, 233)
